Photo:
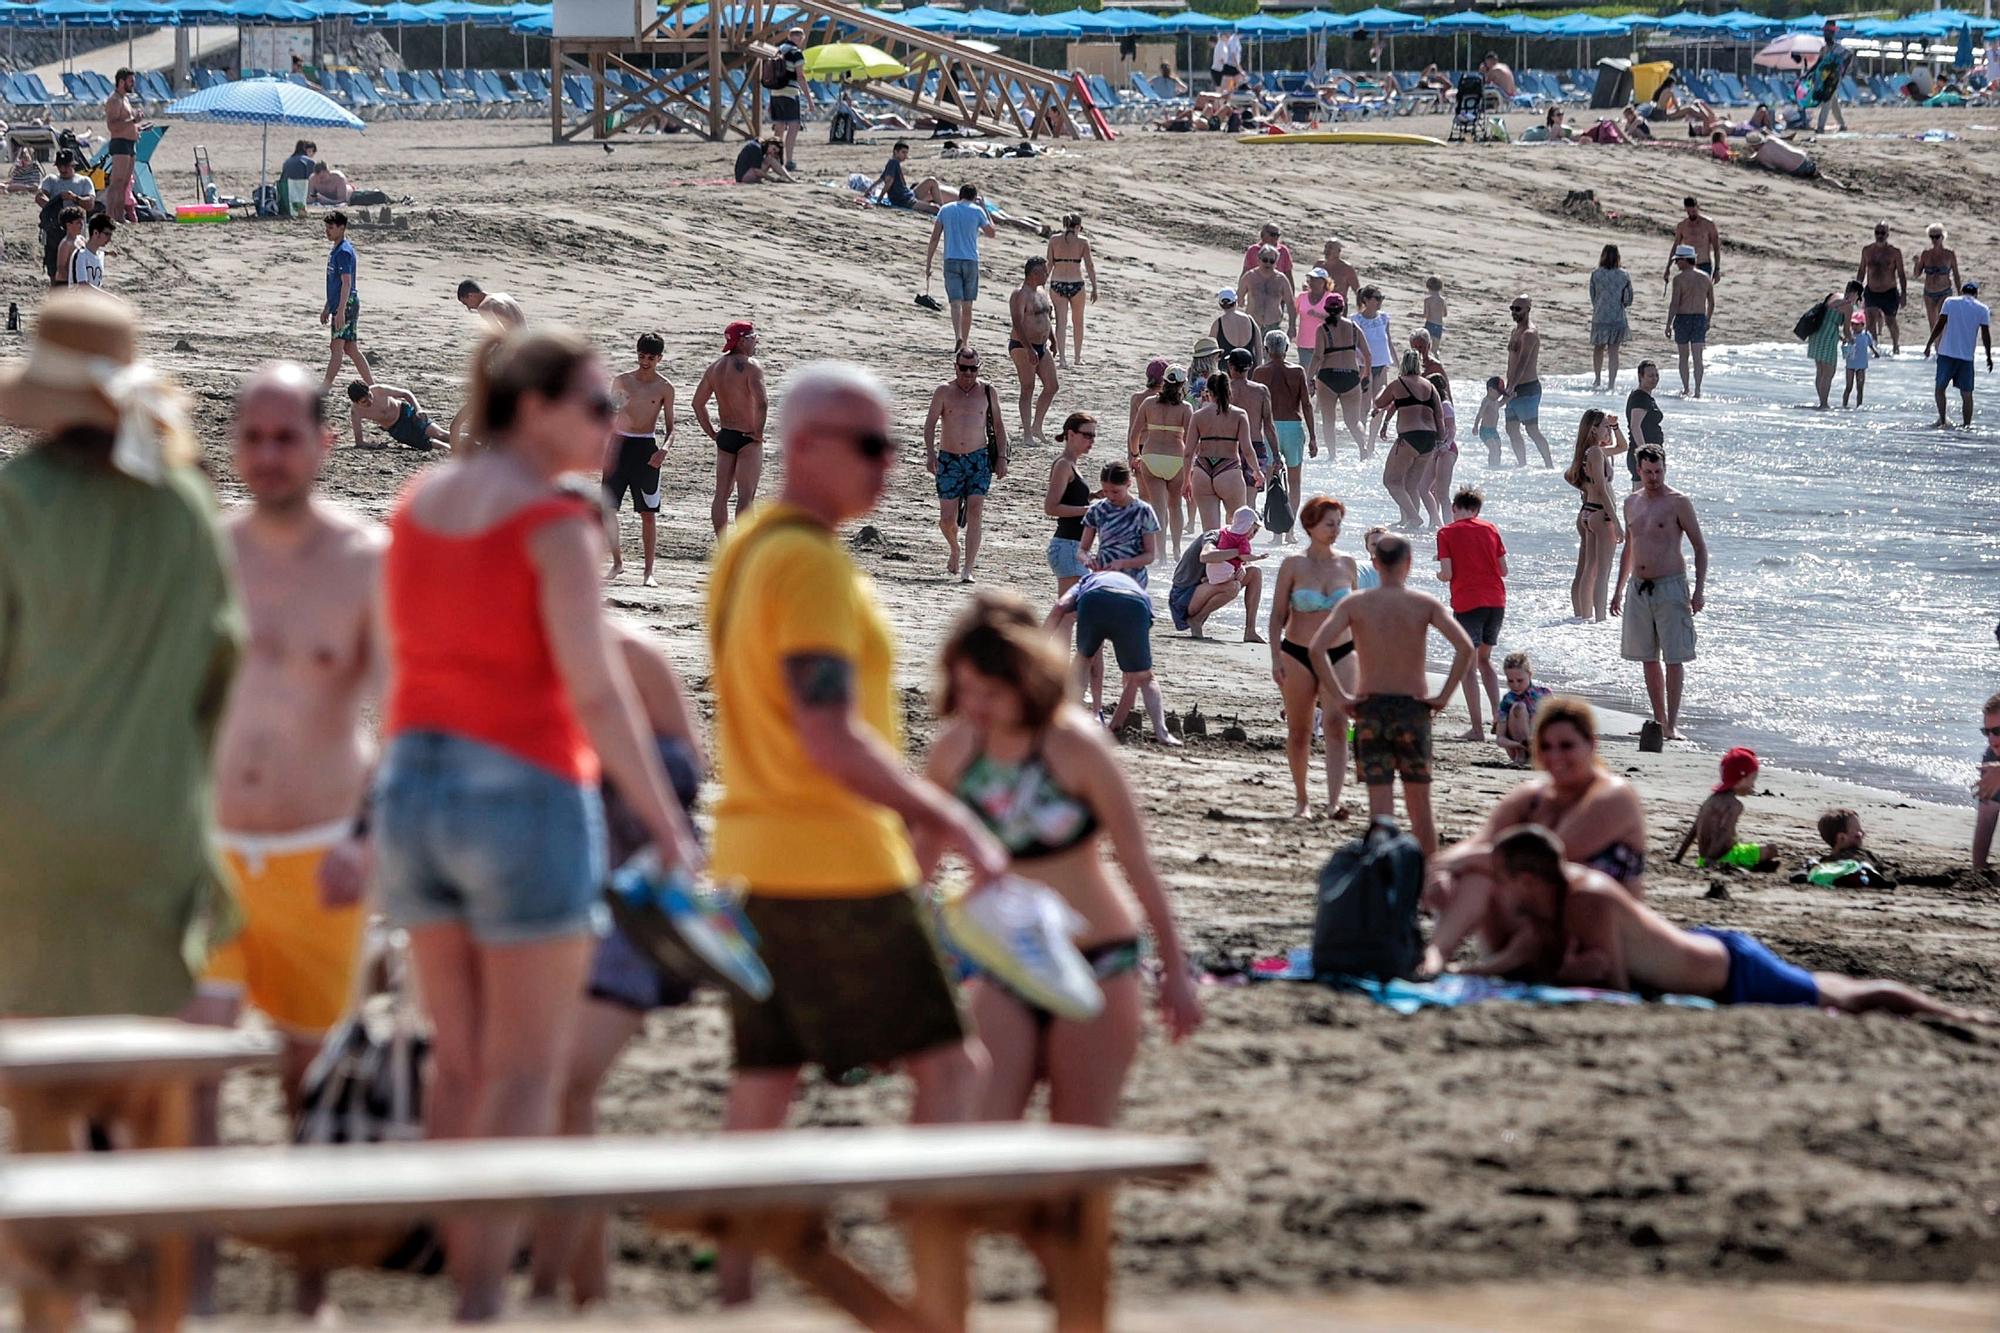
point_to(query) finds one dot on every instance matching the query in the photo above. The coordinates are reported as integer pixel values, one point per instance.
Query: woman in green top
(118, 634)
(1824, 346)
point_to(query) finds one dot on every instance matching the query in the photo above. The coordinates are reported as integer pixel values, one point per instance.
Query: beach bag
(1366, 921)
(840, 129)
(1809, 322)
(1277, 503)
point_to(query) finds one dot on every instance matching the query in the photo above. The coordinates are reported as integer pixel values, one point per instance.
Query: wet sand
(1497, 1143)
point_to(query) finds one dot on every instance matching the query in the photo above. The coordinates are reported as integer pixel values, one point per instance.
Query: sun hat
(1321, 274)
(1206, 346)
(1244, 521)
(1684, 252)
(83, 369)
(1227, 296)
(1737, 765)
(1753, 138)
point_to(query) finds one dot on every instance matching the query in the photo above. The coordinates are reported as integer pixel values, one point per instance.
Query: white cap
(1244, 521)
(1318, 273)
(1227, 296)
(1684, 252)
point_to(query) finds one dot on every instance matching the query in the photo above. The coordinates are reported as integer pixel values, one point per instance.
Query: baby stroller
(1468, 112)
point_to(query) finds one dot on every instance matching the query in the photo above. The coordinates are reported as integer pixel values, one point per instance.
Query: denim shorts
(961, 279)
(468, 833)
(1064, 560)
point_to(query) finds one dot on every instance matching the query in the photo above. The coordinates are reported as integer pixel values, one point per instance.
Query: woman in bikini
(1342, 359)
(1597, 529)
(1070, 266)
(1310, 585)
(1219, 458)
(1595, 813)
(1158, 443)
(1044, 778)
(1233, 329)
(1938, 267)
(1415, 405)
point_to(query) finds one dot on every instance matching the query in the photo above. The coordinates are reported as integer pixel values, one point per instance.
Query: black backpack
(777, 75)
(1809, 322)
(1366, 923)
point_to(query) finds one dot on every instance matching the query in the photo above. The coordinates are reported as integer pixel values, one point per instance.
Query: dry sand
(1351, 1145)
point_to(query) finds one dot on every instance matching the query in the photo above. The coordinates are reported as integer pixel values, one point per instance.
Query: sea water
(1854, 572)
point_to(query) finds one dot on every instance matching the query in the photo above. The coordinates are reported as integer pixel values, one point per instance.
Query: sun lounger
(773, 1193)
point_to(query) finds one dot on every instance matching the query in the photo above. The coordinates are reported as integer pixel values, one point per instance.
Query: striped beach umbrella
(265, 102)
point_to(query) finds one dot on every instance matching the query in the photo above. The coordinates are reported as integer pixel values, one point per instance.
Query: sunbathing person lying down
(1602, 936)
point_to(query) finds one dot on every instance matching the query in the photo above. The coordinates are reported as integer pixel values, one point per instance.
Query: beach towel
(1453, 991)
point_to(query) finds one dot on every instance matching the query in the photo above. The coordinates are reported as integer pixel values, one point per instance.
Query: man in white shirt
(86, 262)
(1963, 322)
(1226, 64)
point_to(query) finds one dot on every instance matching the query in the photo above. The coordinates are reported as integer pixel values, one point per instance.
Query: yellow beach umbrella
(852, 59)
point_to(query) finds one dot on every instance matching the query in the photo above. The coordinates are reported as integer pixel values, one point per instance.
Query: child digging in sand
(1847, 864)
(1515, 721)
(1714, 831)
(1605, 937)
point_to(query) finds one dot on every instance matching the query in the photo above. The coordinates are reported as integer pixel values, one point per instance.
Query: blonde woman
(1598, 531)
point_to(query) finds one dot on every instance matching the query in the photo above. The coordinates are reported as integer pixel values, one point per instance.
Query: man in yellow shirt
(818, 813)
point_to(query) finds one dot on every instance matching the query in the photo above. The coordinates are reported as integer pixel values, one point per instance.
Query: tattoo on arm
(820, 680)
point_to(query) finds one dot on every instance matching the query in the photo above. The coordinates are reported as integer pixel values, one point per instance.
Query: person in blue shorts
(959, 225)
(892, 187)
(1595, 933)
(1112, 607)
(1959, 320)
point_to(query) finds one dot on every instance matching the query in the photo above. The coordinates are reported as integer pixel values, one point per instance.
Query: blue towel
(1453, 990)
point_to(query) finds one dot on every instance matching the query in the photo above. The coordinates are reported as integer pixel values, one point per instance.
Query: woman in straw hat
(119, 632)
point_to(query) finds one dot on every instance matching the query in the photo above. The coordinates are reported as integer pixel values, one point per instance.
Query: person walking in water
(1690, 307)
(1885, 286)
(1658, 629)
(1958, 320)
(1522, 387)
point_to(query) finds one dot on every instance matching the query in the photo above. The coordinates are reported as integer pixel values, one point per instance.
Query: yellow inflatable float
(1340, 136)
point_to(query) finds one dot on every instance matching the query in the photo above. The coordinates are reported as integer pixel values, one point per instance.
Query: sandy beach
(1495, 1143)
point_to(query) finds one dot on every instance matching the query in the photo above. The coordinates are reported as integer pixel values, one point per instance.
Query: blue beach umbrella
(265, 102)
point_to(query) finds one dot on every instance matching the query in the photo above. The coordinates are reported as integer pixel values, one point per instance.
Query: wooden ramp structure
(698, 67)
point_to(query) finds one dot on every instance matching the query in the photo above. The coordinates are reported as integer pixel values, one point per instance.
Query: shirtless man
(1521, 387)
(398, 413)
(1885, 285)
(123, 128)
(1599, 935)
(1496, 72)
(1701, 233)
(632, 460)
(293, 753)
(1254, 397)
(1033, 317)
(1690, 307)
(1392, 706)
(1341, 278)
(965, 448)
(1659, 626)
(1267, 294)
(735, 381)
(1291, 411)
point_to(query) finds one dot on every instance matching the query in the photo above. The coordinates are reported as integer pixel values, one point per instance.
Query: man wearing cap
(1032, 316)
(1885, 286)
(1690, 307)
(119, 633)
(1953, 338)
(1268, 295)
(1699, 232)
(734, 382)
(788, 88)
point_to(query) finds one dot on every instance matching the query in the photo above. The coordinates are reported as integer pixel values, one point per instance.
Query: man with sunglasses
(1522, 388)
(819, 817)
(965, 449)
(734, 381)
(1885, 286)
(1987, 792)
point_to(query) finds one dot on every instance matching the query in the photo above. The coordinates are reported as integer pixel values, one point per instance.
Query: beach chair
(207, 78)
(1052, 1186)
(450, 103)
(527, 88)
(62, 99)
(145, 185)
(156, 88)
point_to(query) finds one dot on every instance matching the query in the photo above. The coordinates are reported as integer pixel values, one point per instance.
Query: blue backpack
(1366, 923)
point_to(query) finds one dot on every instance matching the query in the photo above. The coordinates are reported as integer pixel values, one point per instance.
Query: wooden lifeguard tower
(698, 66)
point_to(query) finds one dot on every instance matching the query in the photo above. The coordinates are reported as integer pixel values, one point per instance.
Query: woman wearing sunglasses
(508, 700)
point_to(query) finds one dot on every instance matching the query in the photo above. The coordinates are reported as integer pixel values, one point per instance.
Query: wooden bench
(1049, 1185)
(134, 1079)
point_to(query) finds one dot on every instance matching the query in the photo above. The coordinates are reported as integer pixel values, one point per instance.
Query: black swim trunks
(1341, 381)
(1392, 739)
(412, 428)
(636, 473)
(124, 147)
(784, 109)
(1888, 302)
(732, 441)
(1039, 349)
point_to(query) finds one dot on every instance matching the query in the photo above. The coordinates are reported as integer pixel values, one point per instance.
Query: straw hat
(83, 369)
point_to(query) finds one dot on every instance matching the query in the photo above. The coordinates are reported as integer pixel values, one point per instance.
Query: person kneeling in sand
(1604, 937)
(398, 413)
(1713, 832)
(1225, 576)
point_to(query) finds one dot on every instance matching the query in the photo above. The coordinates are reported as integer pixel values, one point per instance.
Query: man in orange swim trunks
(293, 755)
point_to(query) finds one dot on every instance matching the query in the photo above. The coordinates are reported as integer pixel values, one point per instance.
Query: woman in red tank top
(507, 698)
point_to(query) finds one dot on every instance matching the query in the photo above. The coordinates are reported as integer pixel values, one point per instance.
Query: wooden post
(1080, 1264)
(715, 81)
(555, 90)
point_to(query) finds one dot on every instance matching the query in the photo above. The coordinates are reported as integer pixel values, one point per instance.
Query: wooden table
(135, 1078)
(1050, 1185)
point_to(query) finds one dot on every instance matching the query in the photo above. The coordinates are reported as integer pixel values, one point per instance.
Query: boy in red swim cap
(1714, 832)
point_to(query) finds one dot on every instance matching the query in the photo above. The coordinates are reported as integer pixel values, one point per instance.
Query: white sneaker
(1025, 935)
